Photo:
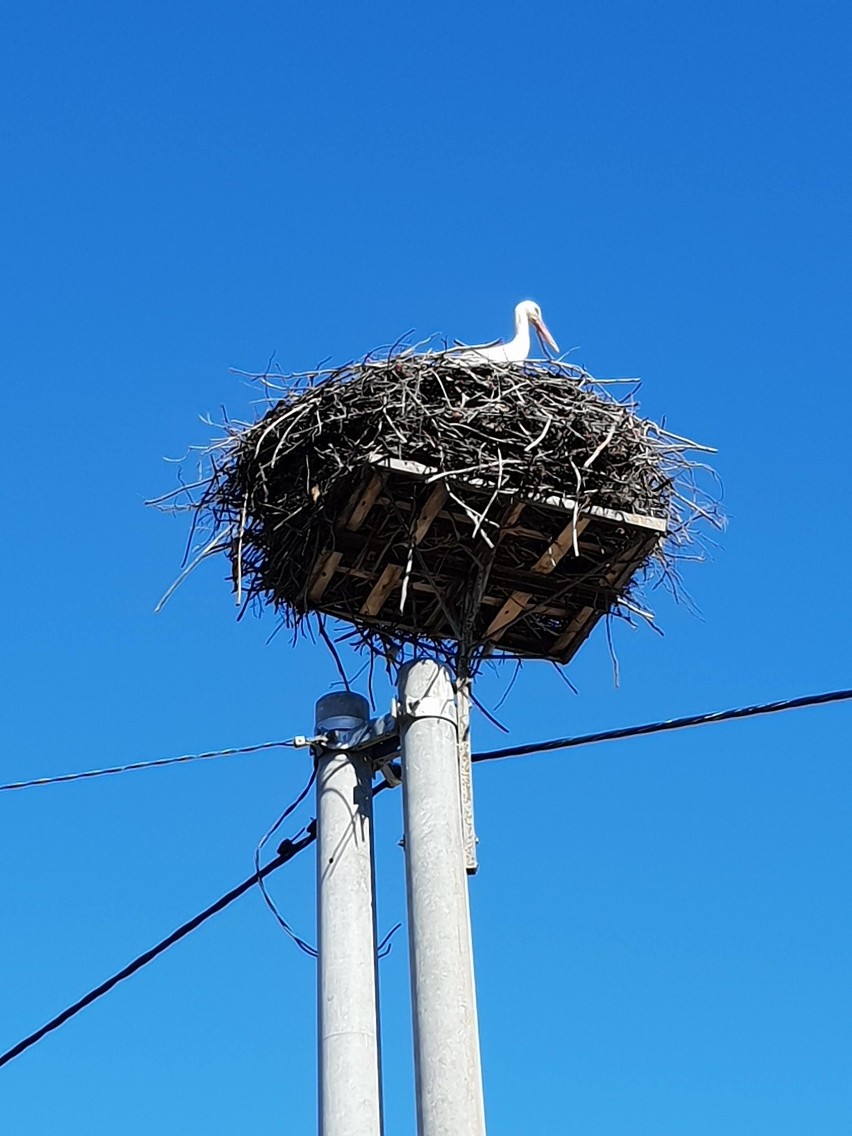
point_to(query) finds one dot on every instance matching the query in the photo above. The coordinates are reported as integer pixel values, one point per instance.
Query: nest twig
(272, 491)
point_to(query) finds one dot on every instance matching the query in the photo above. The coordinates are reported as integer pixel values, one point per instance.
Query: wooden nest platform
(399, 561)
(432, 501)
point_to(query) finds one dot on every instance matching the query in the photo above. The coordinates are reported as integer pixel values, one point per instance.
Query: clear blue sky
(662, 927)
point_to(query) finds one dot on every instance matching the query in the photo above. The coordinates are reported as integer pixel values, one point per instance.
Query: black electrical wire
(492, 755)
(145, 765)
(286, 852)
(663, 727)
(384, 947)
(290, 848)
(301, 943)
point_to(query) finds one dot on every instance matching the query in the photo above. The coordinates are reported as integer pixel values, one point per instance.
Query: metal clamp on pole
(430, 705)
(466, 777)
(363, 734)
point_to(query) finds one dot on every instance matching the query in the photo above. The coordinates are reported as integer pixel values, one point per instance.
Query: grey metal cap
(342, 710)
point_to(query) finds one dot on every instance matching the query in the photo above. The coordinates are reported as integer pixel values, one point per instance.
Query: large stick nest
(273, 492)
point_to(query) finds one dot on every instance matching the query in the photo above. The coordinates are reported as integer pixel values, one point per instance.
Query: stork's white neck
(522, 330)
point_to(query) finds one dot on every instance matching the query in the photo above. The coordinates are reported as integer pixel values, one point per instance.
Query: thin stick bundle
(275, 493)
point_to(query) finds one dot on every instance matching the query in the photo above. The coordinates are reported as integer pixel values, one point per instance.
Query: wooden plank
(514, 606)
(383, 587)
(522, 532)
(487, 601)
(432, 507)
(512, 517)
(324, 569)
(565, 639)
(555, 501)
(358, 573)
(567, 644)
(518, 601)
(360, 504)
(614, 516)
(418, 469)
(561, 611)
(561, 546)
(453, 566)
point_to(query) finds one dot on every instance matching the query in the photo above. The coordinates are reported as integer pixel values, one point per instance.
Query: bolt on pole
(447, 1064)
(350, 1101)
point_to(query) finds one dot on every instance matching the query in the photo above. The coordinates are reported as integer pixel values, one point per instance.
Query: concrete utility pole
(350, 1101)
(446, 1035)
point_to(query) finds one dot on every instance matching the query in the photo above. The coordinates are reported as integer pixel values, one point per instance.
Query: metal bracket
(378, 739)
(301, 741)
(428, 708)
(391, 774)
(363, 737)
(466, 778)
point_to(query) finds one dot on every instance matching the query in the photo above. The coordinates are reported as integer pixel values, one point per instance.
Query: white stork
(527, 313)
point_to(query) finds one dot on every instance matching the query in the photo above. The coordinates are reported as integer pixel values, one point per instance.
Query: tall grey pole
(447, 1064)
(348, 1030)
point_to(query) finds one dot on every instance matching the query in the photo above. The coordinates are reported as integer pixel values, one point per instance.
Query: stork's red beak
(544, 335)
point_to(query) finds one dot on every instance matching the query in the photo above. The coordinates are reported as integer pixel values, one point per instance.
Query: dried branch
(274, 490)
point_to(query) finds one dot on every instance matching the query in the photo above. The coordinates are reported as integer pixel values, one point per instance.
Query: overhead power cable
(664, 727)
(490, 755)
(289, 848)
(286, 851)
(146, 765)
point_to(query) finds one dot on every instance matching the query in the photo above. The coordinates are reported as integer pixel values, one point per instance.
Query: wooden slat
(557, 501)
(434, 504)
(429, 589)
(566, 644)
(359, 566)
(518, 601)
(355, 513)
(614, 516)
(514, 606)
(512, 516)
(564, 640)
(323, 570)
(563, 544)
(357, 573)
(383, 587)
(562, 611)
(360, 552)
(522, 532)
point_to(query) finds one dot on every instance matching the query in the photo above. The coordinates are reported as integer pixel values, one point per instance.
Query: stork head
(528, 311)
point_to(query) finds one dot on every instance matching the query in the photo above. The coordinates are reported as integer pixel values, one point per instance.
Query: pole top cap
(341, 710)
